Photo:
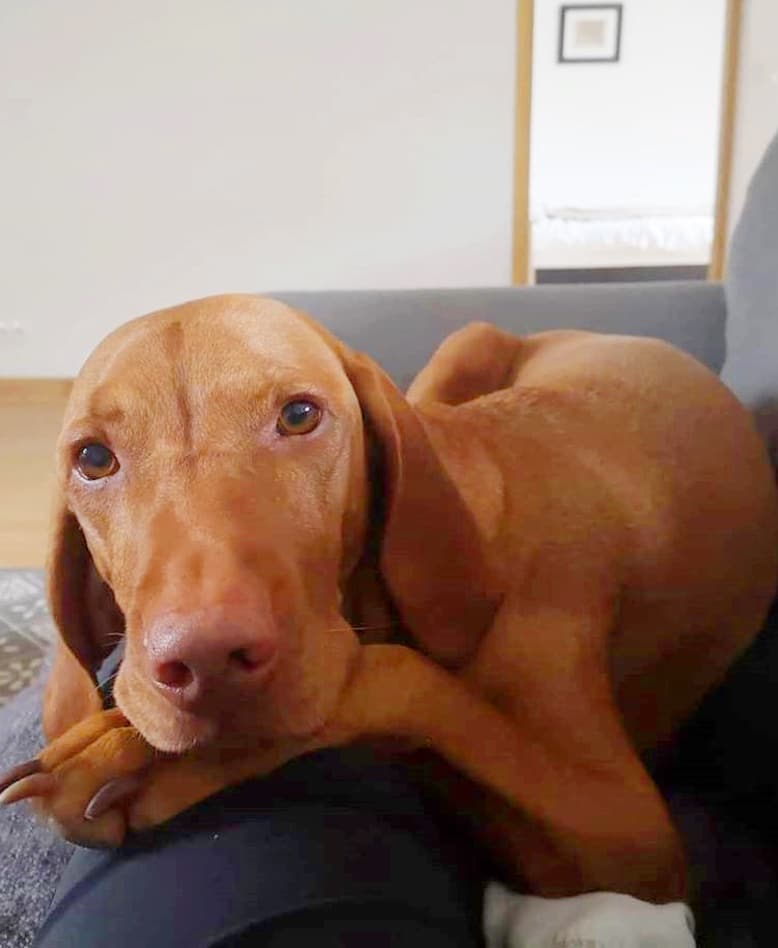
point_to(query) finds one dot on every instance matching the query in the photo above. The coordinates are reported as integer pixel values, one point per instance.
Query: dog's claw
(19, 772)
(33, 785)
(113, 792)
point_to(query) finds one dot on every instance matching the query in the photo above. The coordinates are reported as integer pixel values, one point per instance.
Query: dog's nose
(194, 658)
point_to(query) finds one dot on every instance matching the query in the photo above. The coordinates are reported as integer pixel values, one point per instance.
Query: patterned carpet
(26, 630)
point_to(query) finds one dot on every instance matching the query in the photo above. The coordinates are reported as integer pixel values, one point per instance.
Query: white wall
(159, 150)
(640, 132)
(756, 117)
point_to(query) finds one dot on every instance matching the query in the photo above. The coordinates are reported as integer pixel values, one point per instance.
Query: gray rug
(25, 630)
(31, 857)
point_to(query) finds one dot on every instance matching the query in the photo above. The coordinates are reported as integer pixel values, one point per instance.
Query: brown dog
(578, 532)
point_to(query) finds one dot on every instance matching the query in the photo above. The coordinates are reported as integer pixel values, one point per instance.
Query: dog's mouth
(242, 727)
(168, 729)
(182, 732)
(290, 703)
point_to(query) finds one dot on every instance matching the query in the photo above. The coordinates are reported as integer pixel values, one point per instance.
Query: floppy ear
(88, 621)
(432, 556)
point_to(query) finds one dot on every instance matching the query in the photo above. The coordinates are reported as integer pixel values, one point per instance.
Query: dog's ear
(87, 618)
(81, 602)
(432, 556)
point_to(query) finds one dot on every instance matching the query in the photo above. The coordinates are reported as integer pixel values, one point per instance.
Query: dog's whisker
(366, 628)
(111, 678)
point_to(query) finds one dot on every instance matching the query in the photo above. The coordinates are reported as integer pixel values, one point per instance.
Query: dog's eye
(95, 461)
(298, 417)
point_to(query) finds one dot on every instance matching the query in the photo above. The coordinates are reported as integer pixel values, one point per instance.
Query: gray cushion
(751, 368)
(402, 328)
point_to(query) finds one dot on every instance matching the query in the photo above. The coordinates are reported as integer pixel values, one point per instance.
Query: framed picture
(590, 33)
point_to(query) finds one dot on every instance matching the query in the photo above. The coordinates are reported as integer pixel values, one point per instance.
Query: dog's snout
(194, 658)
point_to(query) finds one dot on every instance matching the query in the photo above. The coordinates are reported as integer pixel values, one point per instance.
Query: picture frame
(590, 33)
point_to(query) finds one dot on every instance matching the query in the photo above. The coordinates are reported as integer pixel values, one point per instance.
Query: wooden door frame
(525, 15)
(520, 267)
(728, 109)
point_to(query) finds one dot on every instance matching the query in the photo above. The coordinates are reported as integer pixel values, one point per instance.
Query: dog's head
(215, 492)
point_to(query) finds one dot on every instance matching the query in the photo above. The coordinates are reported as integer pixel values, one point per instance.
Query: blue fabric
(336, 841)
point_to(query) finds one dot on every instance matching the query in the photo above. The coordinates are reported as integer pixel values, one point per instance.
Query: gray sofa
(402, 328)
(733, 329)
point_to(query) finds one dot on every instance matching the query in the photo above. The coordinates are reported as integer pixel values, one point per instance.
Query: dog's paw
(175, 783)
(83, 782)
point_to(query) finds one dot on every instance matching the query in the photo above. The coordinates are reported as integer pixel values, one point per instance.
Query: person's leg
(335, 842)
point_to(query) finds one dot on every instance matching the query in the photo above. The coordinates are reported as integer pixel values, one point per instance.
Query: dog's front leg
(577, 811)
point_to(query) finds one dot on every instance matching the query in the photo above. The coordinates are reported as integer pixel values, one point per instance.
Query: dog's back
(626, 451)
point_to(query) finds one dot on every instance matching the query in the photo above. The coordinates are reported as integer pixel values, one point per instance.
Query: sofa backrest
(402, 328)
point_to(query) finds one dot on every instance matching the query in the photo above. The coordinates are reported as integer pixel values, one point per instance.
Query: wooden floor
(30, 415)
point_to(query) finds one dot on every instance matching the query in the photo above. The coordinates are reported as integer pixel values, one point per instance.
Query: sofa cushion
(751, 367)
